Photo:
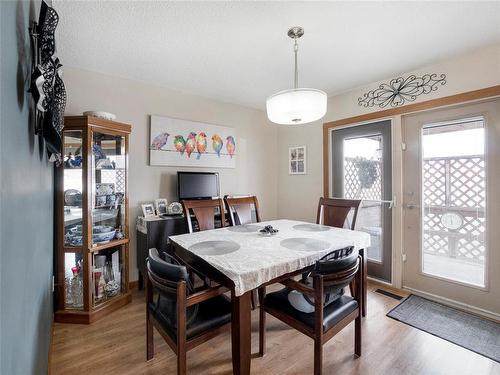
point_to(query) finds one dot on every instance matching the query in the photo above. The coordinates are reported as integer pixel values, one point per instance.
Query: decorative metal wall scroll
(47, 87)
(401, 90)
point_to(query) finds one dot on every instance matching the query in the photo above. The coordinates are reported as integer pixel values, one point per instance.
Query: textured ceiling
(238, 52)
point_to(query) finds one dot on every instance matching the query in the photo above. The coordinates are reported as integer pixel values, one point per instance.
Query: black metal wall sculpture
(401, 90)
(47, 87)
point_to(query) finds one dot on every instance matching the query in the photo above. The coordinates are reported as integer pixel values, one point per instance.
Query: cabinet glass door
(73, 219)
(108, 185)
(73, 188)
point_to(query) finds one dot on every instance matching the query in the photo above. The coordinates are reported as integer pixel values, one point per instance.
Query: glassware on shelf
(73, 281)
(68, 297)
(77, 287)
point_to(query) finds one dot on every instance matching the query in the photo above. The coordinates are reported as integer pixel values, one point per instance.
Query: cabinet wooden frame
(89, 125)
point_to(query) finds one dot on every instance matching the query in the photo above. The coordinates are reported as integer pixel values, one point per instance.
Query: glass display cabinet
(92, 220)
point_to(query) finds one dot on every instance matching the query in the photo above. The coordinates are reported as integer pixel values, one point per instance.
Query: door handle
(411, 206)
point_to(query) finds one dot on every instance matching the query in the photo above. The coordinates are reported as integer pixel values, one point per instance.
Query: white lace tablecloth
(259, 259)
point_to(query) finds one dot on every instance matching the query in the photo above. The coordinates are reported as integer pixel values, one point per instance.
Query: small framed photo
(297, 160)
(148, 210)
(161, 206)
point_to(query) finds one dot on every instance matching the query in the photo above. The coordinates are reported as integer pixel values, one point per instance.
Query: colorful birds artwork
(190, 144)
(230, 145)
(217, 144)
(180, 143)
(196, 142)
(159, 141)
(201, 144)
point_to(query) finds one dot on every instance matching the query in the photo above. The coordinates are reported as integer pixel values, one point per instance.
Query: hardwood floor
(117, 345)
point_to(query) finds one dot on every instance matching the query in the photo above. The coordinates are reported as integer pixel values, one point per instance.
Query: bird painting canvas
(217, 144)
(201, 144)
(190, 144)
(159, 141)
(194, 144)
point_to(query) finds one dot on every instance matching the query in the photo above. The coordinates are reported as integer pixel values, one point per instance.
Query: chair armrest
(206, 294)
(295, 285)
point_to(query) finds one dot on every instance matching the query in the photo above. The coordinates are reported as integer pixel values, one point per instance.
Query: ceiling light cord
(295, 50)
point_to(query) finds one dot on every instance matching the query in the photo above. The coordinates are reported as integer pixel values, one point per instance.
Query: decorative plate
(101, 114)
(175, 208)
(104, 188)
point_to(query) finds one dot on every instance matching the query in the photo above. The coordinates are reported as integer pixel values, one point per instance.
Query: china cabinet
(92, 220)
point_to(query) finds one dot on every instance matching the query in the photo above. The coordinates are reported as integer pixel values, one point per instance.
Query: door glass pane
(454, 201)
(363, 171)
(108, 188)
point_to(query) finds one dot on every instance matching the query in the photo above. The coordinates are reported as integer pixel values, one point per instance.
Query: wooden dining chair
(240, 210)
(329, 276)
(204, 212)
(185, 318)
(240, 213)
(334, 211)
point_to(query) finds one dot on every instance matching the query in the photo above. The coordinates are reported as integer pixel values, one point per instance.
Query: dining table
(243, 259)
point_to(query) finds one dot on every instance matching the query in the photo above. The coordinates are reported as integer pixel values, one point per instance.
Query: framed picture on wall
(184, 143)
(297, 160)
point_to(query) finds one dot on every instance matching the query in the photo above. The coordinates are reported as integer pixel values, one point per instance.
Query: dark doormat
(479, 335)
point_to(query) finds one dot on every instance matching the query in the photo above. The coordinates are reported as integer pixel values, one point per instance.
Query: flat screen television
(197, 185)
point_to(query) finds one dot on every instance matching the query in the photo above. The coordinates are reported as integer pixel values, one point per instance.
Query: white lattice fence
(352, 183)
(454, 184)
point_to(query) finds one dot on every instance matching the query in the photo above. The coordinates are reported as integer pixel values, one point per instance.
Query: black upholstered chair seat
(332, 313)
(210, 314)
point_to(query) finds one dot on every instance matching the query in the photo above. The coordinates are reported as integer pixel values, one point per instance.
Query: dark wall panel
(26, 207)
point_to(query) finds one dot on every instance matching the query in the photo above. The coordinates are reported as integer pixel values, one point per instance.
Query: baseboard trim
(458, 305)
(133, 285)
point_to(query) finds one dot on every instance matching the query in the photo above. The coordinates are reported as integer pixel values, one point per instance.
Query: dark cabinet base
(158, 231)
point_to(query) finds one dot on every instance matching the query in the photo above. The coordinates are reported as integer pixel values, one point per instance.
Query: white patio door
(452, 205)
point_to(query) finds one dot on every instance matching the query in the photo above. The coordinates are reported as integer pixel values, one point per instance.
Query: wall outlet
(404, 257)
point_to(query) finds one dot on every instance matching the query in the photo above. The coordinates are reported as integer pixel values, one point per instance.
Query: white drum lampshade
(296, 106)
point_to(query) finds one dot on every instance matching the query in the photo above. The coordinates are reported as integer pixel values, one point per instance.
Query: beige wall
(133, 102)
(298, 194)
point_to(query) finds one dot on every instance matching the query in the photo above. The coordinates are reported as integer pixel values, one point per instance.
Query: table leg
(364, 274)
(241, 333)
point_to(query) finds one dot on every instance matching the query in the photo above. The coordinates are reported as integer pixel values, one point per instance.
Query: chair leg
(181, 361)
(357, 336)
(318, 357)
(262, 323)
(150, 350)
(254, 299)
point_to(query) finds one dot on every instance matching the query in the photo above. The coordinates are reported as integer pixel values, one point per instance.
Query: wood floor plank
(116, 344)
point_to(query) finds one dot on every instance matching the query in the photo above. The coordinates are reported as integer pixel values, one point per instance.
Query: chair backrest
(334, 211)
(172, 282)
(165, 274)
(204, 211)
(240, 209)
(337, 269)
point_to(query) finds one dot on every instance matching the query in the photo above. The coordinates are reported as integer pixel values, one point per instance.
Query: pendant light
(297, 105)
